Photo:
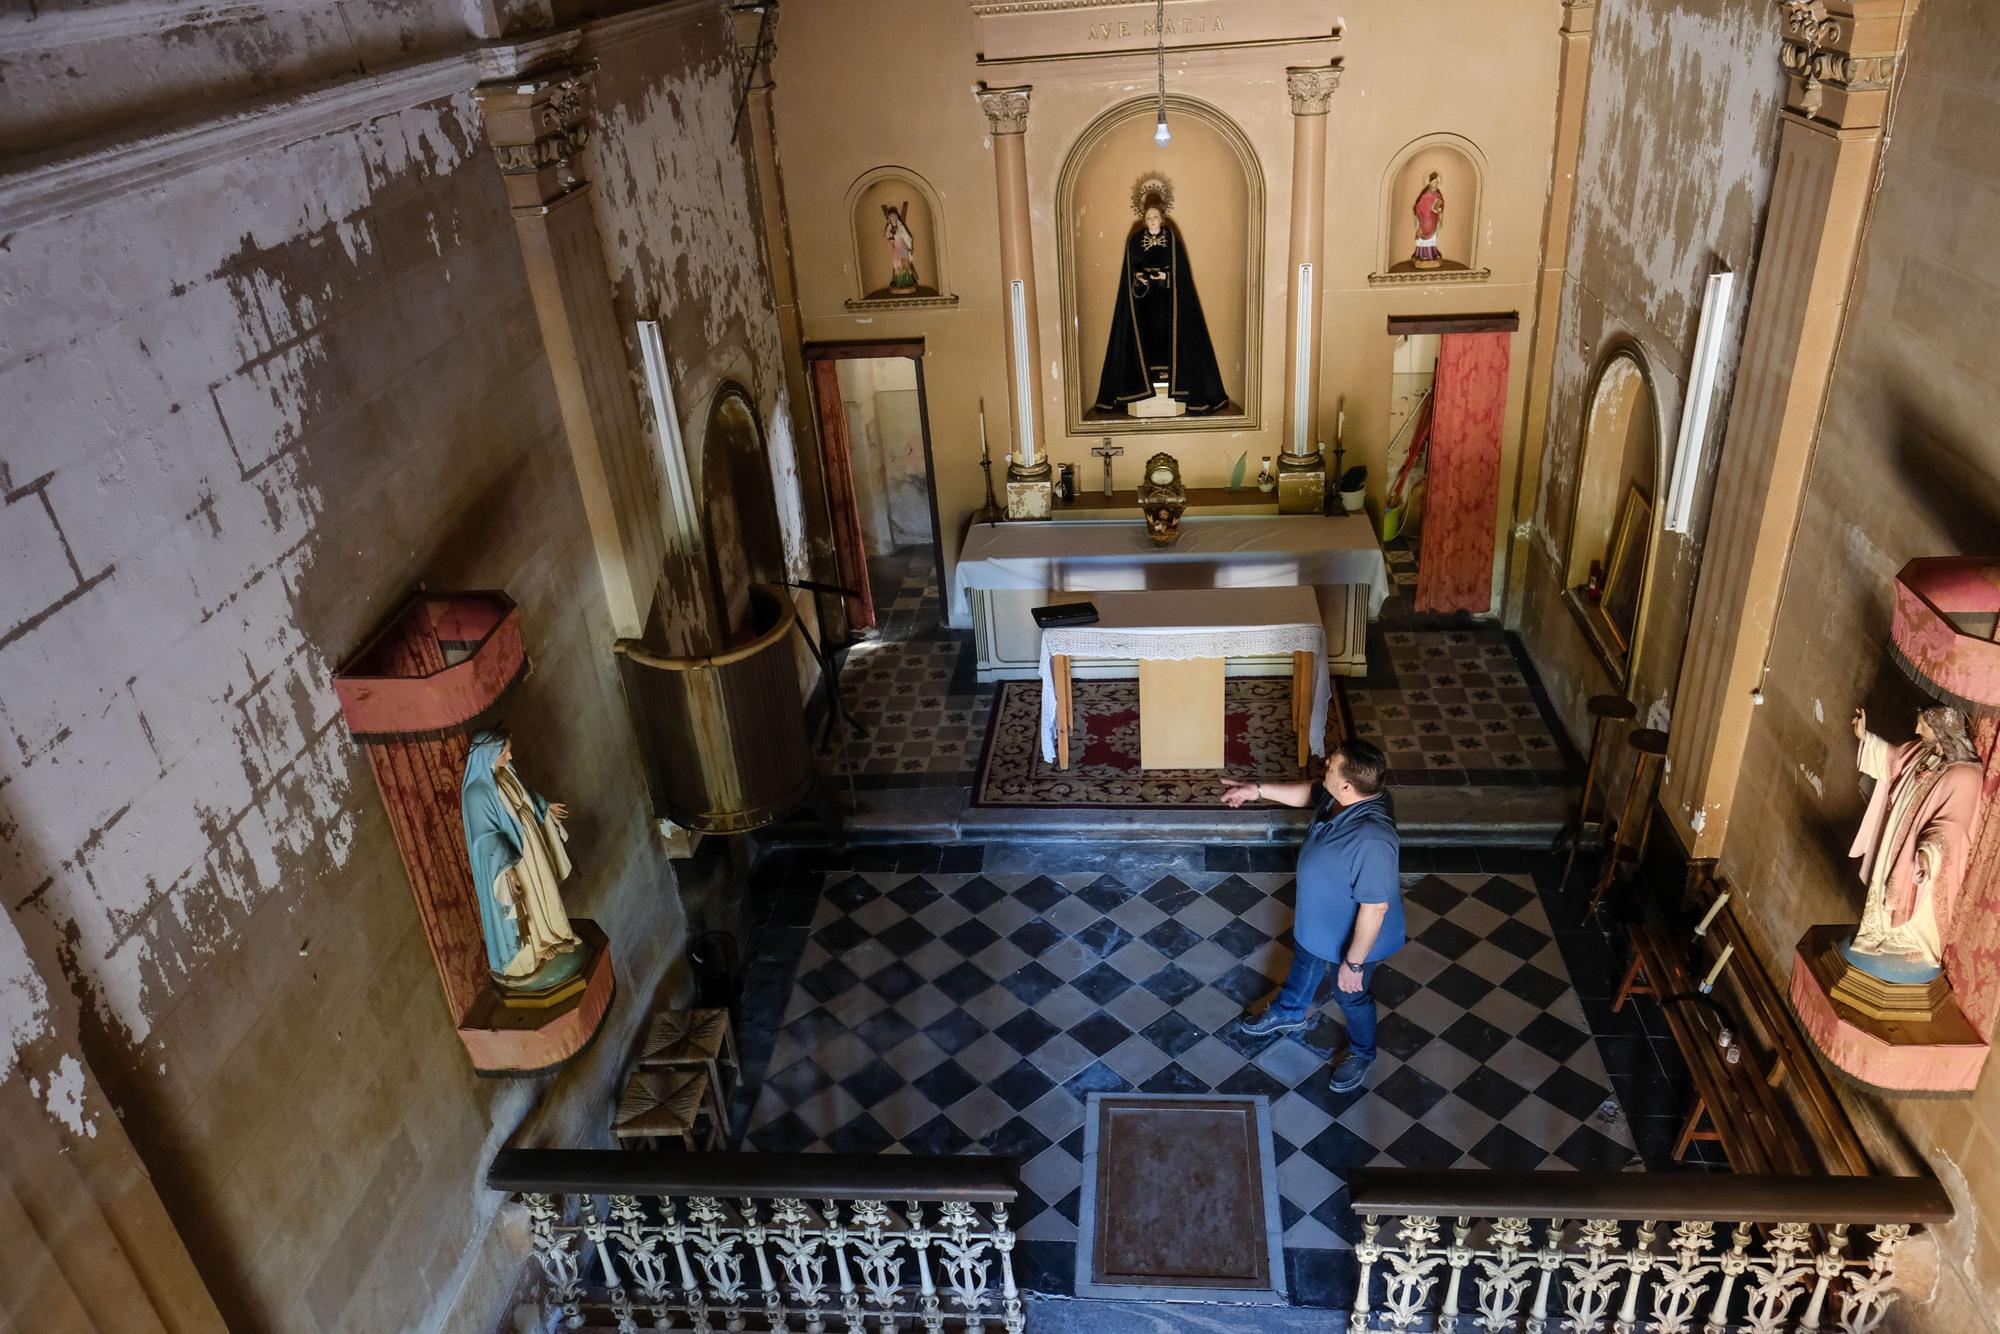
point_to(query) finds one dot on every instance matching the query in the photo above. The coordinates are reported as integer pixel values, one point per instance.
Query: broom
(1393, 504)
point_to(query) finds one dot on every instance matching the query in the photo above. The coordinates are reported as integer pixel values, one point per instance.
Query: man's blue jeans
(1356, 1007)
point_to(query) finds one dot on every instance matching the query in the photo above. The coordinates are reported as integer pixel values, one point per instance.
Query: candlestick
(1701, 927)
(1708, 983)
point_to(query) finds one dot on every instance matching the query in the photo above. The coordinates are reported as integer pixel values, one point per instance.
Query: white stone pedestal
(1159, 405)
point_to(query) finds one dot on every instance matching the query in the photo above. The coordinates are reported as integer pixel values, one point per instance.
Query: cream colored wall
(864, 83)
(886, 451)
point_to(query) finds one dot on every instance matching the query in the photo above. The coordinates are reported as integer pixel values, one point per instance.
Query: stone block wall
(1907, 465)
(255, 394)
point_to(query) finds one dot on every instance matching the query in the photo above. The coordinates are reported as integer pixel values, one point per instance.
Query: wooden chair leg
(1059, 663)
(715, 1091)
(1630, 984)
(1690, 1127)
(1302, 698)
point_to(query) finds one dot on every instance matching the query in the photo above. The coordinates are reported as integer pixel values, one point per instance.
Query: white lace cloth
(1194, 623)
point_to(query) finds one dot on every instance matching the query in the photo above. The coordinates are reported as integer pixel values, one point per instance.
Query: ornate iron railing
(642, 1240)
(1622, 1253)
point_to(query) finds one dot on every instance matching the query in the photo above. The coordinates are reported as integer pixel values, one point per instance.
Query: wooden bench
(1772, 1108)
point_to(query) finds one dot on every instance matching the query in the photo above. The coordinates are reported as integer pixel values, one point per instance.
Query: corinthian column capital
(1006, 108)
(1312, 87)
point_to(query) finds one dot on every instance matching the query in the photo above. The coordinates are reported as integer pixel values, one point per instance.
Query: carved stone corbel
(538, 128)
(1006, 109)
(1841, 56)
(1312, 87)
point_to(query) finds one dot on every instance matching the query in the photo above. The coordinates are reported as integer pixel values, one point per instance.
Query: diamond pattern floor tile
(944, 1012)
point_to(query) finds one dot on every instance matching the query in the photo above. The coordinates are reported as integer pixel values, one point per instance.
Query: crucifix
(1107, 451)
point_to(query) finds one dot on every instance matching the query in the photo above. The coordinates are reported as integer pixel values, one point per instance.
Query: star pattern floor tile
(911, 687)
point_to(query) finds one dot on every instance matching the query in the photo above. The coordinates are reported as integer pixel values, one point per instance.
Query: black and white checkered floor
(950, 1011)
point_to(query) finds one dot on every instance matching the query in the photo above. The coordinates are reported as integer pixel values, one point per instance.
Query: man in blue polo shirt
(1350, 904)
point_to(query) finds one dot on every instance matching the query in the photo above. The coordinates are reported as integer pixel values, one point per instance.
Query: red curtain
(1455, 566)
(838, 454)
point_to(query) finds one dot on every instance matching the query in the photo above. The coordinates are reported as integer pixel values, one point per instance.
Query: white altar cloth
(1194, 623)
(1219, 551)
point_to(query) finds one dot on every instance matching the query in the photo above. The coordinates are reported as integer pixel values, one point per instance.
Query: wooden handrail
(972, 1178)
(783, 615)
(1471, 1193)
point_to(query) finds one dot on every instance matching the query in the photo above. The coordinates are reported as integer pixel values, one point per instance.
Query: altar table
(1222, 551)
(1187, 625)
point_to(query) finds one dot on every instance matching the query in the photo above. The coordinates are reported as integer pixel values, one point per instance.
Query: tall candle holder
(992, 513)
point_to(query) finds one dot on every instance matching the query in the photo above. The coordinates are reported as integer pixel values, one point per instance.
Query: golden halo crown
(1152, 185)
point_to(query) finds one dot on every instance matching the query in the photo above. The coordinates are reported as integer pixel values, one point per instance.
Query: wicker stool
(666, 1102)
(694, 1039)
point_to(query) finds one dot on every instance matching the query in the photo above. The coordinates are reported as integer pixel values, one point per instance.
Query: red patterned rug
(1258, 743)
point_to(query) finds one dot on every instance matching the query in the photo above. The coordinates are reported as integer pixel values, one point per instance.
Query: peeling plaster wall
(1907, 465)
(73, 71)
(248, 409)
(1673, 177)
(678, 212)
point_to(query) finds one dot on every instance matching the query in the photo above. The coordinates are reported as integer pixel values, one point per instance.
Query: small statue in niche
(902, 248)
(1157, 330)
(1429, 212)
(515, 842)
(1912, 843)
(1162, 499)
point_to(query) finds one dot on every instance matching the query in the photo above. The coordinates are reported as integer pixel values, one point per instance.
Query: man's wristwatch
(1352, 967)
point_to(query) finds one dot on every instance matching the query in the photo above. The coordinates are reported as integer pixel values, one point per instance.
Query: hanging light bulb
(1161, 134)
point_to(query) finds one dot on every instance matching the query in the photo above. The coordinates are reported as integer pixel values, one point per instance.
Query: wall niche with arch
(1445, 176)
(1217, 213)
(1612, 528)
(896, 229)
(746, 541)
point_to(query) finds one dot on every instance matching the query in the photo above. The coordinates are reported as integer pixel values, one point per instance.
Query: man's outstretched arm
(1236, 792)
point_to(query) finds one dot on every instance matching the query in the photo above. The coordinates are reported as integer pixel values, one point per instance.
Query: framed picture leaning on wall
(1625, 570)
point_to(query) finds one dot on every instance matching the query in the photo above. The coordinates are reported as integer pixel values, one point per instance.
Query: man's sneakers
(1273, 1020)
(1351, 1073)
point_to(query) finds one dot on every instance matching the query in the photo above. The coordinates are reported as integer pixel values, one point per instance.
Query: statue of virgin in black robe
(1157, 331)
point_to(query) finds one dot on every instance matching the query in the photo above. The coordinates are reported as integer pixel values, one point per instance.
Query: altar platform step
(1523, 817)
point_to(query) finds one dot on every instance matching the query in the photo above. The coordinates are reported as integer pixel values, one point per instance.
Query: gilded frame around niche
(1250, 395)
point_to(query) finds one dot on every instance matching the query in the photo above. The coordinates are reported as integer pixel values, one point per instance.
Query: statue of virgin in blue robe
(515, 842)
(1157, 329)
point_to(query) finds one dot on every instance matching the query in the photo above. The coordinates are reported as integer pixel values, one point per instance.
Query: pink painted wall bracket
(440, 670)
